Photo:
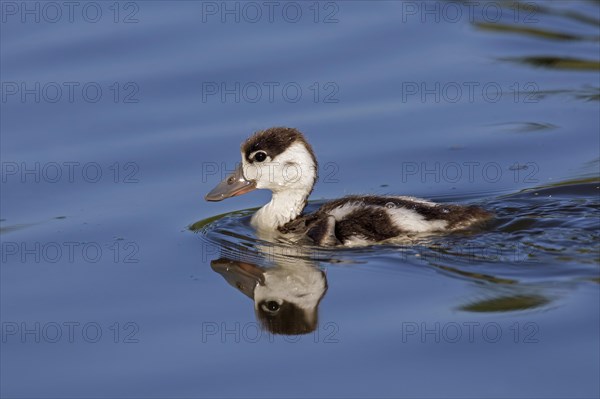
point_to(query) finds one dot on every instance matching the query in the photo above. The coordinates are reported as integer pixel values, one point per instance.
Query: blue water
(118, 118)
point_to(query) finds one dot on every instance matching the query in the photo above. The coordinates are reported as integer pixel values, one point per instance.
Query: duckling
(281, 160)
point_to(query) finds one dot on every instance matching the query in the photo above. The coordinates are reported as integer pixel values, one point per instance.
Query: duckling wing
(299, 225)
(322, 231)
(319, 227)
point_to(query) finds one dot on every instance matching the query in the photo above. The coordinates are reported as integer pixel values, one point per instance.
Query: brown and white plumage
(281, 160)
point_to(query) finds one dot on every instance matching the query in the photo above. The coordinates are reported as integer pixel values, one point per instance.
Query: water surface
(105, 232)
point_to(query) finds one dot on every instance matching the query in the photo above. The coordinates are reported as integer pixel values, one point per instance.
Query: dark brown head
(277, 159)
(273, 142)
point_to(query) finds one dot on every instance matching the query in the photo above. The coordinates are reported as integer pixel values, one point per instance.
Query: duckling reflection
(286, 296)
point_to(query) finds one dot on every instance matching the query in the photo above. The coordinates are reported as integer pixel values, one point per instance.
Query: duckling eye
(260, 156)
(271, 306)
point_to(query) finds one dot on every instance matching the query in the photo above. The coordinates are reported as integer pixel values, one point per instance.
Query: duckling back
(360, 220)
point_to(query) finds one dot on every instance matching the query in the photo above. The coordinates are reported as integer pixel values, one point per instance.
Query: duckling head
(277, 159)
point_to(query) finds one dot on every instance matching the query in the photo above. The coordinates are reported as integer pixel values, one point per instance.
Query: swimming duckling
(281, 160)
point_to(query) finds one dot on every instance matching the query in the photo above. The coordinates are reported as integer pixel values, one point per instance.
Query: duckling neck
(283, 207)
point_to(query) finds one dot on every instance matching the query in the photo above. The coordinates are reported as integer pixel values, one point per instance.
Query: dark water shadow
(555, 62)
(538, 21)
(533, 32)
(21, 226)
(512, 303)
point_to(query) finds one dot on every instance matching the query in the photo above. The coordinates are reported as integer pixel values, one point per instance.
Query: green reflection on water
(507, 303)
(539, 33)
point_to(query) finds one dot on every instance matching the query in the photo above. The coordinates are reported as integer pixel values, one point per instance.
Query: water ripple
(537, 235)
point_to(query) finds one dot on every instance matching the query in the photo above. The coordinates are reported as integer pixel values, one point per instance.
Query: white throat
(290, 176)
(283, 207)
